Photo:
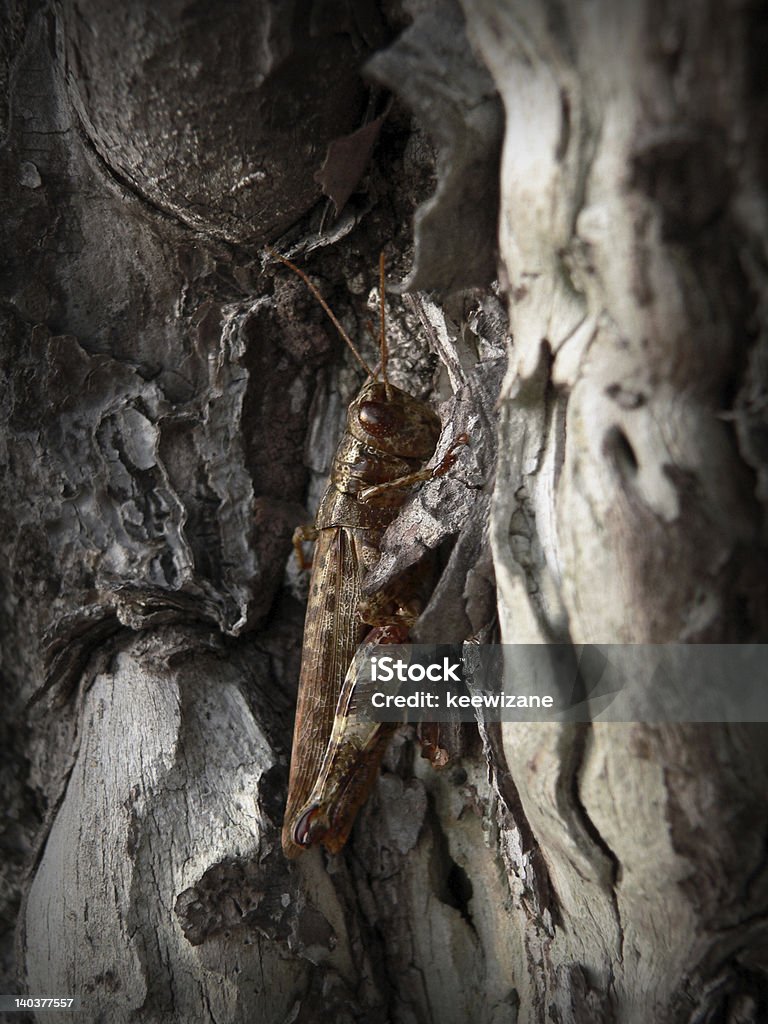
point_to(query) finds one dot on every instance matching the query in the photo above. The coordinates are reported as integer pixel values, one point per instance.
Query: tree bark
(171, 405)
(633, 510)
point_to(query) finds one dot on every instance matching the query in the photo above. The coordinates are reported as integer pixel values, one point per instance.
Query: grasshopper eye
(382, 419)
(303, 830)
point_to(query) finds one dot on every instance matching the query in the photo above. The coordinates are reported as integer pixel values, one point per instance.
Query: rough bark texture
(171, 401)
(630, 509)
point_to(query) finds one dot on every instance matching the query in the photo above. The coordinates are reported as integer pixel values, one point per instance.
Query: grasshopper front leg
(421, 475)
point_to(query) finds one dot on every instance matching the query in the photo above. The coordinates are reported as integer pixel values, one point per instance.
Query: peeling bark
(629, 511)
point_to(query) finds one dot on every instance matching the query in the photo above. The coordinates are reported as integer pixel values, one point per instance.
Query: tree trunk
(173, 397)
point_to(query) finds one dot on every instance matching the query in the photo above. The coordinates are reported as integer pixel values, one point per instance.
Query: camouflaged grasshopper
(389, 436)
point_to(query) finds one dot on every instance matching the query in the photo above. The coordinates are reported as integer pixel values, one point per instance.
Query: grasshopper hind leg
(351, 762)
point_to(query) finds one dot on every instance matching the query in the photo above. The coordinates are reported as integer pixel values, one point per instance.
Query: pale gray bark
(171, 406)
(626, 507)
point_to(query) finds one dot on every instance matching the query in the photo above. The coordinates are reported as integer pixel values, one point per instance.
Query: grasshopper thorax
(394, 422)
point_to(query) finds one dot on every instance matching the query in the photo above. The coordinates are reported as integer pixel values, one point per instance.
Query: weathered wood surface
(170, 407)
(626, 506)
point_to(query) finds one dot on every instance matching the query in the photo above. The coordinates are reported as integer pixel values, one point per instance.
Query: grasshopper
(388, 439)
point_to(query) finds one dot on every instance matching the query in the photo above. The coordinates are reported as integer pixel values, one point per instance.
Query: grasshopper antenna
(327, 308)
(382, 325)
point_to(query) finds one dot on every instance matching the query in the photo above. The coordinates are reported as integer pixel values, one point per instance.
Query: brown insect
(389, 436)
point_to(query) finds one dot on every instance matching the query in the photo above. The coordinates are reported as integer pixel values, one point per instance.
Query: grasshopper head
(394, 422)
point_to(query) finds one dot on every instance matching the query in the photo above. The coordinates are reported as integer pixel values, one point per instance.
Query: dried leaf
(346, 160)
